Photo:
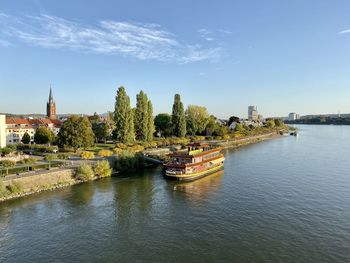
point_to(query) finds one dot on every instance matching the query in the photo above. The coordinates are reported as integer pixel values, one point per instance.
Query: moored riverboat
(198, 160)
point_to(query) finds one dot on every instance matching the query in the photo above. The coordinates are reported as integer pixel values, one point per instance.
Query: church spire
(50, 95)
(51, 106)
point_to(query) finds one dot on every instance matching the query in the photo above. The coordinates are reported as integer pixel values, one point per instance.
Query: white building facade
(253, 113)
(2, 131)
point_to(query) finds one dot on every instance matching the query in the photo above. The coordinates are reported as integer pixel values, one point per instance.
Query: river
(281, 200)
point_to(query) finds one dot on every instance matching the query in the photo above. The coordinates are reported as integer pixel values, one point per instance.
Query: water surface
(282, 200)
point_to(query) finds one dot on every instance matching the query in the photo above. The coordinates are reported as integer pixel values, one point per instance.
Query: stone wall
(39, 181)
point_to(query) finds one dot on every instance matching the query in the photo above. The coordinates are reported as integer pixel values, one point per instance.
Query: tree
(231, 120)
(141, 116)
(197, 119)
(102, 130)
(150, 122)
(76, 132)
(162, 124)
(26, 138)
(43, 135)
(178, 117)
(123, 117)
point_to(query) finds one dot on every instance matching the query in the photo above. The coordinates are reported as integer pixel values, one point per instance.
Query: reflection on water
(200, 189)
(282, 200)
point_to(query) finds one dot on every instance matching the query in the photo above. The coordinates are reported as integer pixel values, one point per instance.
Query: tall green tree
(150, 121)
(26, 138)
(197, 118)
(163, 125)
(76, 132)
(141, 117)
(123, 117)
(178, 117)
(43, 135)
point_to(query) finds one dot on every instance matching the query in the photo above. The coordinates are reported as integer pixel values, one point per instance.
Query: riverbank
(31, 183)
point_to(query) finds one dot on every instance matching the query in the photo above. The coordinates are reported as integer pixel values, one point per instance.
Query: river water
(282, 200)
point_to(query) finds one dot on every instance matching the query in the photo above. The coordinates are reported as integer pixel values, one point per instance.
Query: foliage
(141, 116)
(103, 169)
(63, 156)
(270, 123)
(26, 138)
(84, 172)
(123, 117)
(3, 190)
(76, 132)
(117, 150)
(86, 155)
(14, 187)
(239, 127)
(105, 153)
(150, 122)
(163, 124)
(8, 149)
(129, 162)
(44, 136)
(197, 118)
(102, 130)
(279, 122)
(7, 163)
(231, 120)
(51, 157)
(178, 117)
(29, 160)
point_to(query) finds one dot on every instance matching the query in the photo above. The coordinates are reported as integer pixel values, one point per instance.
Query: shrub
(7, 163)
(3, 190)
(121, 145)
(51, 157)
(7, 150)
(14, 188)
(63, 156)
(117, 151)
(84, 172)
(103, 169)
(129, 161)
(135, 148)
(29, 160)
(105, 153)
(226, 137)
(87, 155)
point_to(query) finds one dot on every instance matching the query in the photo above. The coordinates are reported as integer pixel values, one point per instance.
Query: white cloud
(344, 31)
(139, 40)
(206, 34)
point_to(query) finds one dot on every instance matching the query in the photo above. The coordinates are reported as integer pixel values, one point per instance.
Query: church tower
(51, 107)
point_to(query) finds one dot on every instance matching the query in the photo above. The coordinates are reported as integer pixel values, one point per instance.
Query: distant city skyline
(282, 57)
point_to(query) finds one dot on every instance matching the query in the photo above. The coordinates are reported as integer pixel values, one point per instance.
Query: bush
(103, 169)
(105, 153)
(7, 150)
(63, 156)
(7, 163)
(29, 160)
(87, 155)
(84, 172)
(129, 162)
(135, 148)
(51, 157)
(117, 151)
(14, 188)
(3, 190)
(121, 145)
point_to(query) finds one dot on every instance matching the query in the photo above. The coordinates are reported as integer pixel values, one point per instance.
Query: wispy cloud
(4, 43)
(344, 31)
(206, 34)
(140, 40)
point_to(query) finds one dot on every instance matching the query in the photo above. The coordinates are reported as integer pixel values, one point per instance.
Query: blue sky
(280, 55)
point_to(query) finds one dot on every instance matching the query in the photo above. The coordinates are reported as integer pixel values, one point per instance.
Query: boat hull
(194, 176)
